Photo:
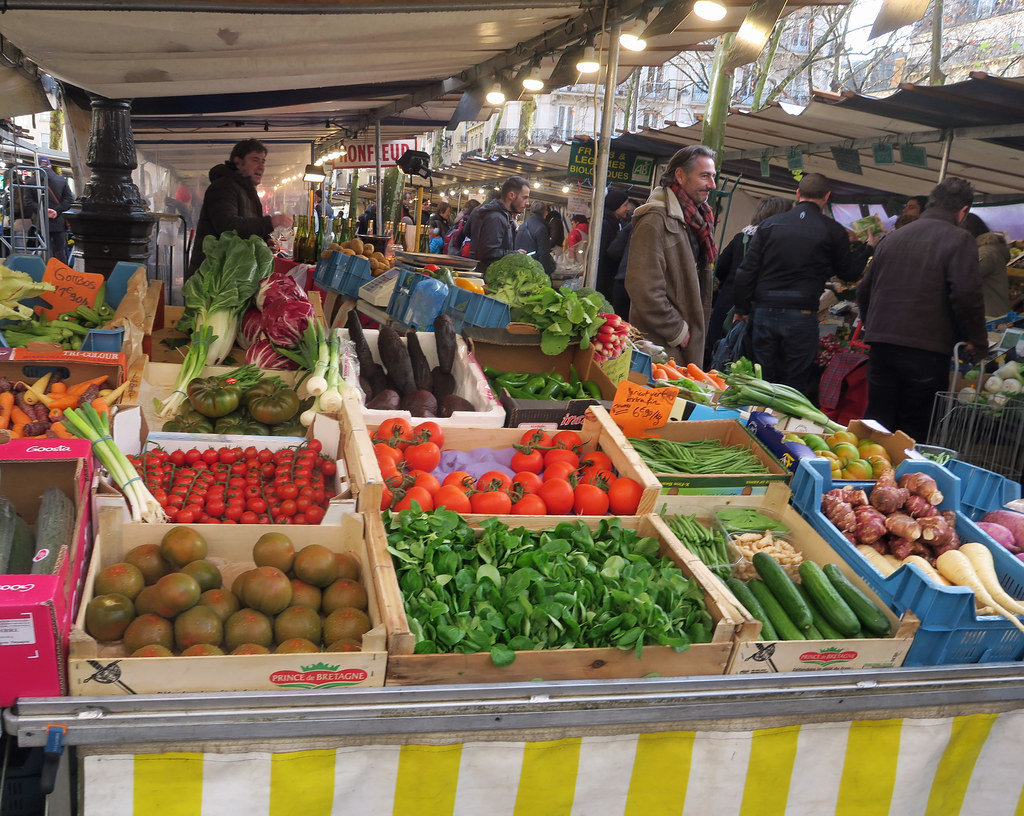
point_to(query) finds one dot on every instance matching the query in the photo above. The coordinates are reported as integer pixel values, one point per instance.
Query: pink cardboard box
(36, 611)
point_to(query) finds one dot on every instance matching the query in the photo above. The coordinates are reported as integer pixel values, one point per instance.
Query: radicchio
(279, 286)
(284, 321)
(262, 354)
(250, 328)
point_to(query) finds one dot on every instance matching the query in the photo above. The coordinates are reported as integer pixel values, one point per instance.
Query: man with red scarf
(671, 255)
(782, 277)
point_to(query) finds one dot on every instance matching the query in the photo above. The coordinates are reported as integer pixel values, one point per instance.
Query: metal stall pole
(380, 178)
(947, 148)
(603, 150)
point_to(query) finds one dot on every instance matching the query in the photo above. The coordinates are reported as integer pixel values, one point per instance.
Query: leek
(746, 388)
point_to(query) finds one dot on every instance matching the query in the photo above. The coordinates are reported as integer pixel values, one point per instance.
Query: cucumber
(785, 628)
(7, 516)
(753, 606)
(783, 588)
(828, 599)
(23, 548)
(55, 527)
(828, 632)
(870, 616)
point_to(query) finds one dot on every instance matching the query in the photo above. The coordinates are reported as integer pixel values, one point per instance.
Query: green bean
(696, 457)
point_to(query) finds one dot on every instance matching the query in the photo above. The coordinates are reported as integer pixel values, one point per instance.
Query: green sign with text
(623, 167)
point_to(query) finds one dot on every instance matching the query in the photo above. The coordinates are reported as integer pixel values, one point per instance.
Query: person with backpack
(534, 238)
(459, 232)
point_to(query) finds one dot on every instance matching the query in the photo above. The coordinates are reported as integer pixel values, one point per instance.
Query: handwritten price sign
(636, 409)
(73, 289)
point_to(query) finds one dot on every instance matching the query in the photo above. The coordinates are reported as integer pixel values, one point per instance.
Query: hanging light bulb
(495, 96)
(536, 185)
(710, 10)
(532, 81)
(588, 63)
(631, 37)
(565, 188)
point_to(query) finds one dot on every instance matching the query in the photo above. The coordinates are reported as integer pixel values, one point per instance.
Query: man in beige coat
(671, 256)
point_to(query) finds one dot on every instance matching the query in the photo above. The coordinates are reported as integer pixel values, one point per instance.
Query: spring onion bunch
(87, 423)
(746, 388)
(191, 366)
(319, 353)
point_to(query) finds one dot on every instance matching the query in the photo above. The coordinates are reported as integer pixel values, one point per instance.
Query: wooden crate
(751, 656)
(406, 668)
(104, 669)
(598, 433)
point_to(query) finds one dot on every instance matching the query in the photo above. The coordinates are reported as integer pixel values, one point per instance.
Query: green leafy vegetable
(15, 287)
(562, 317)
(514, 277)
(518, 590)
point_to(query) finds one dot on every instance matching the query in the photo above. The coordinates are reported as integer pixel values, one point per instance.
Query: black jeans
(902, 384)
(784, 343)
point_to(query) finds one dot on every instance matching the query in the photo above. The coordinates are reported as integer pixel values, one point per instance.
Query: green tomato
(234, 423)
(188, 421)
(272, 404)
(212, 397)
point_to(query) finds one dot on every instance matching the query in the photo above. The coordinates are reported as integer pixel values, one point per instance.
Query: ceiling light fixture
(536, 185)
(532, 81)
(314, 174)
(588, 63)
(631, 37)
(565, 188)
(710, 10)
(495, 96)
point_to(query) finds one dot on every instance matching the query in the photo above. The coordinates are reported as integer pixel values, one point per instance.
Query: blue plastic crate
(641, 362)
(947, 613)
(982, 490)
(417, 299)
(354, 273)
(104, 340)
(328, 272)
(473, 309)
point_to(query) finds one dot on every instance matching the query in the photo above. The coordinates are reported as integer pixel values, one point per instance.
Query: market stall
(607, 610)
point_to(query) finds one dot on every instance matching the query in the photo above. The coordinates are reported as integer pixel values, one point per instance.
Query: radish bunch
(610, 340)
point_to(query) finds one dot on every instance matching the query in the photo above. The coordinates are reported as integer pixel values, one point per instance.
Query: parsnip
(926, 568)
(876, 559)
(981, 560)
(957, 567)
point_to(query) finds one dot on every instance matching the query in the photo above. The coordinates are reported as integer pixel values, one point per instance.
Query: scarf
(701, 220)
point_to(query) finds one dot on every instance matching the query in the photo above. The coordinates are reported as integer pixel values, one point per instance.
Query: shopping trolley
(984, 429)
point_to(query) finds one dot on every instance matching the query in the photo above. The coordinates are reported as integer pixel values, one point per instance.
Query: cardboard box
(752, 656)
(528, 358)
(104, 669)
(470, 383)
(769, 431)
(598, 433)
(23, 364)
(728, 432)
(36, 611)
(357, 483)
(406, 668)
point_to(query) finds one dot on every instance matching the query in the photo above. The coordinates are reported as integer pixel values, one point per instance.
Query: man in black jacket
(493, 225)
(782, 277)
(232, 203)
(59, 199)
(533, 236)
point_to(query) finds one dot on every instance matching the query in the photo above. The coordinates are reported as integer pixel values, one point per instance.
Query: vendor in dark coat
(921, 295)
(232, 203)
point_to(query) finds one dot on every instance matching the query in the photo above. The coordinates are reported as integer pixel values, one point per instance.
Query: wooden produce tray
(104, 669)
(598, 433)
(406, 668)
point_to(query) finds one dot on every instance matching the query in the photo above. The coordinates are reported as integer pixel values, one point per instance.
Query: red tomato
(425, 456)
(329, 467)
(596, 459)
(384, 450)
(530, 505)
(452, 498)
(418, 495)
(315, 514)
(537, 438)
(491, 503)
(387, 467)
(387, 498)
(396, 432)
(557, 495)
(460, 479)
(589, 500)
(314, 445)
(561, 455)
(532, 462)
(178, 458)
(594, 475)
(567, 439)
(558, 470)
(287, 491)
(494, 480)
(531, 482)
(429, 432)
(426, 480)
(624, 496)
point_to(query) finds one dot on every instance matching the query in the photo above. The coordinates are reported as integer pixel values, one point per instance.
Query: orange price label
(636, 408)
(71, 289)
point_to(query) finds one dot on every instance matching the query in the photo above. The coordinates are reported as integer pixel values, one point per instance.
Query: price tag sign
(71, 289)
(636, 408)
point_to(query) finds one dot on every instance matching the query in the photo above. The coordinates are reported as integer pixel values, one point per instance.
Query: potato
(376, 273)
(347, 251)
(334, 247)
(378, 257)
(325, 254)
(374, 266)
(367, 250)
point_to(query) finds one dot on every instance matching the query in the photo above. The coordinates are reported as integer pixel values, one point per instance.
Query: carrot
(58, 388)
(697, 374)
(18, 430)
(55, 415)
(722, 384)
(67, 400)
(658, 373)
(61, 431)
(19, 417)
(80, 388)
(100, 405)
(6, 404)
